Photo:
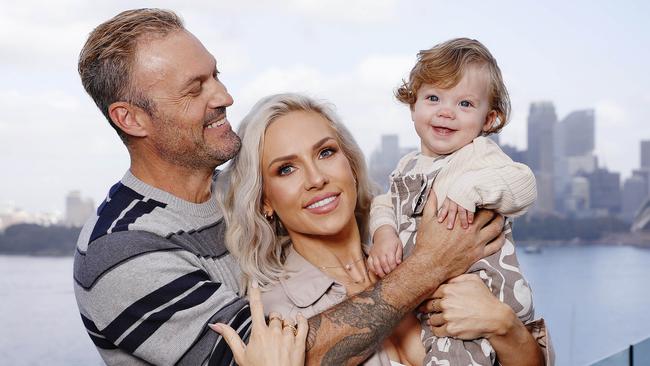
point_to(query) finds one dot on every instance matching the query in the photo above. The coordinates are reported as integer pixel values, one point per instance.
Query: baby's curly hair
(443, 66)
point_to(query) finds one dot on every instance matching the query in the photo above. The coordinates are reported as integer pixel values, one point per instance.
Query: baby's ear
(489, 120)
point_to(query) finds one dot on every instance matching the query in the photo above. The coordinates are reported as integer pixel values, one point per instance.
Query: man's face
(188, 122)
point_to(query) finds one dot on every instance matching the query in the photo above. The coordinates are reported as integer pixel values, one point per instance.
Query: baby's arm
(386, 251)
(495, 182)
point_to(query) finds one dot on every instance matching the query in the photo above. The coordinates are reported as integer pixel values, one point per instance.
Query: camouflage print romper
(500, 271)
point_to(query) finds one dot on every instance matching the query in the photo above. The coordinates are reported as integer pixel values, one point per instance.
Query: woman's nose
(315, 178)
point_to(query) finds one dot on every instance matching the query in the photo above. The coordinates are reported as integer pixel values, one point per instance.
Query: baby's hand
(386, 251)
(449, 210)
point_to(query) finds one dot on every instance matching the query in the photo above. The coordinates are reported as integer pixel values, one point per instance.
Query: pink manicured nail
(216, 327)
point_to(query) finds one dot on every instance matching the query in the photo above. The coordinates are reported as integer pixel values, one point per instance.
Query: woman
(298, 216)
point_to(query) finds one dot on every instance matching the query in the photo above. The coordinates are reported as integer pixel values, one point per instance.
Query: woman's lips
(323, 205)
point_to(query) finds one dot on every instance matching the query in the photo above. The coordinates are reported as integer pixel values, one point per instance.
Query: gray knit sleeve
(144, 297)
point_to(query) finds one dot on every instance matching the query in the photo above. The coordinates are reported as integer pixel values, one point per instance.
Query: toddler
(457, 97)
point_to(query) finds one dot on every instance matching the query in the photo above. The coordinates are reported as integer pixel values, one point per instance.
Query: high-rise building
(578, 132)
(645, 154)
(540, 155)
(77, 209)
(574, 144)
(577, 198)
(635, 192)
(384, 160)
(541, 125)
(604, 192)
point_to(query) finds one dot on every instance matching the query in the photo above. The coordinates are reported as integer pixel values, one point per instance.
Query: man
(151, 269)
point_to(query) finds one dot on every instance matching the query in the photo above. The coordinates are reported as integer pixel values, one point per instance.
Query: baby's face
(448, 119)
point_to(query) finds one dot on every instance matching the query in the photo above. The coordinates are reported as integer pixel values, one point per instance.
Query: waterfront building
(540, 154)
(77, 209)
(384, 160)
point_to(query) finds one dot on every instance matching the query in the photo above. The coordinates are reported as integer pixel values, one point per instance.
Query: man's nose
(219, 96)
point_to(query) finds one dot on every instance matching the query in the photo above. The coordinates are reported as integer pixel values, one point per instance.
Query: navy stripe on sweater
(143, 331)
(152, 301)
(119, 198)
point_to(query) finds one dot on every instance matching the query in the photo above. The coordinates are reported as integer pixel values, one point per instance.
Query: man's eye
(433, 98)
(285, 170)
(326, 153)
(465, 103)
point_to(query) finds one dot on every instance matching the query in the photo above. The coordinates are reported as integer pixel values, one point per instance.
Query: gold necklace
(347, 266)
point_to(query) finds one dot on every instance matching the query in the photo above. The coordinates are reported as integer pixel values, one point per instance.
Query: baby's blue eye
(433, 98)
(465, 103)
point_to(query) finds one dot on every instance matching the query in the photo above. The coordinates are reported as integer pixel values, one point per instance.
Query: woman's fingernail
(216, 327)
(254, 284)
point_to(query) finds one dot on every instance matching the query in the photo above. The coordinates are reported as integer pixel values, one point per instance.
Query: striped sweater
(150, 272)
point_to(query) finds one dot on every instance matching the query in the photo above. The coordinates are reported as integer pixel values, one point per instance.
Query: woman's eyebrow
(318, 144)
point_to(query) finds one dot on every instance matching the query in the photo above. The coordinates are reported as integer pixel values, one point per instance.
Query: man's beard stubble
(191, 151)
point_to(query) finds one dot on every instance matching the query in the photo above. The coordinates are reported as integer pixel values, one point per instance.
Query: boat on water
(532, 249)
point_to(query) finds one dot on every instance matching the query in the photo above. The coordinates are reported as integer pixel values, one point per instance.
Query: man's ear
(129, 118)
(489, 120)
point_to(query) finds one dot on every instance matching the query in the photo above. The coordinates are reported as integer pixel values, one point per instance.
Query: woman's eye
(325, 153)
(433, 98)
(285, 170)
(465, 103)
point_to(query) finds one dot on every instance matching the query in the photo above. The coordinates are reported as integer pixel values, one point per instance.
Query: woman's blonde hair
(444, 65)
(258, 244)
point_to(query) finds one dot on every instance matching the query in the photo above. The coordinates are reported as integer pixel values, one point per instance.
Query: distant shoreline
(639, 240)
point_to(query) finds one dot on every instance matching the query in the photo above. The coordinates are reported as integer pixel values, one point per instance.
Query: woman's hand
(279, 343)
(464, 308)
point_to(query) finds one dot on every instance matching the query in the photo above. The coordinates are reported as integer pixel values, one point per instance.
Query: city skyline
(580, 55)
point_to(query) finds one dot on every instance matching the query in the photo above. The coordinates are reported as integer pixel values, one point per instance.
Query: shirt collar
(304, 283)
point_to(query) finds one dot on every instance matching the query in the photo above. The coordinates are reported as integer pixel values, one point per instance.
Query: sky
(578, 55)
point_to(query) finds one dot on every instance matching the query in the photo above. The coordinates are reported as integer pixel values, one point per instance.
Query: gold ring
(274, 316)
(293, 328)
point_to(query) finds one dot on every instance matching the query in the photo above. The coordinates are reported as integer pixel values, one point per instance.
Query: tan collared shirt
(307, 290)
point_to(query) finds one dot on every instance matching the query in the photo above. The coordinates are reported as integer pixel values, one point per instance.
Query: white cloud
(358, 11)
(363, 96)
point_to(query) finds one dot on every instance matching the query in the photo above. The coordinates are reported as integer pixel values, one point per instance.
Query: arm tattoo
(371, 319)
(314, 325)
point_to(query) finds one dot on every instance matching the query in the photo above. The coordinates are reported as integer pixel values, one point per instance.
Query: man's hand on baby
(386, 251)
(450, 209)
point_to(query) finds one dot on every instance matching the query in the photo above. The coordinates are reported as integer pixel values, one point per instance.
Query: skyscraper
(635, 192)
(604, 192)
(578, 132)
(574, 144)
(541, 126)
(645, 154)
(384, 160)
(77, 209)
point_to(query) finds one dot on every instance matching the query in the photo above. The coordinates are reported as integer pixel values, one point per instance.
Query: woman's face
(308, 181)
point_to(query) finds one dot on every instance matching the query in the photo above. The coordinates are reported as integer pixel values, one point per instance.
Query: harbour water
(594, 299)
